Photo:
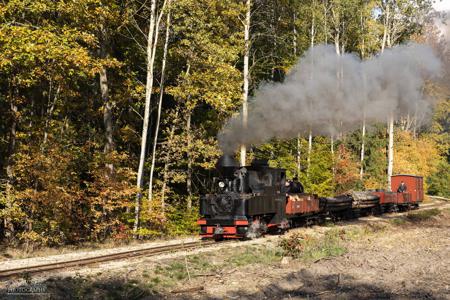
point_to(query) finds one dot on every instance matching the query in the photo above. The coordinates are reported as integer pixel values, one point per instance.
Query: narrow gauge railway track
(439, 198)
(393, 215)
(15, 272)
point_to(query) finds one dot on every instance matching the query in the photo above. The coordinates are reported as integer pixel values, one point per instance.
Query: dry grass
(423, 215)
(180, 271)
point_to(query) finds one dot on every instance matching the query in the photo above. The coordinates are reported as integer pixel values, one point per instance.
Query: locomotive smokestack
(226, 161)
(226, 165)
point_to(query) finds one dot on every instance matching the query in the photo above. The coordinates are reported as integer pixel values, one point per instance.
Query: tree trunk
(273, 32)
(294, 40)
(107, 117)
(158, 118)
(312, 32)
(333, 169)
(9, 226)
(336, 43)
(391, 117)
(309, 152)
(246, 77)
(166, 164)
(385, 29)
(313, 24)
(390, 150)
(148, 94)
(325, 29)
(361, 171)
(415, 121)
(363, 133)
(299, 152)
(108, 122)
(50, 108)
(189, 161)
(363, 42)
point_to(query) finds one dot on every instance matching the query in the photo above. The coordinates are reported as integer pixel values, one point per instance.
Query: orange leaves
(346, 175)
(64, 195)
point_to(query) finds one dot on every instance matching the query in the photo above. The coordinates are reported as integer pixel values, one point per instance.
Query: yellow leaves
(371, 183)
(129, 134)
(415, 156)
(44, 52)
(110, 63)
(218, 85)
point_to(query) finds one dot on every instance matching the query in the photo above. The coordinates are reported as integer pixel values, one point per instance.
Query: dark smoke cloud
(328, 93)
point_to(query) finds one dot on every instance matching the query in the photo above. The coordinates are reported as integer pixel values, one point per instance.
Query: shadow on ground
(83, 288)
(304, 285)
(298, 285)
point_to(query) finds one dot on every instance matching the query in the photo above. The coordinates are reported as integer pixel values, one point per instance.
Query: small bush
(308, 248)
(181, 221)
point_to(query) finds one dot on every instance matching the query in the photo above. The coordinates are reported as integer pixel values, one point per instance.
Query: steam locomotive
(249, 201)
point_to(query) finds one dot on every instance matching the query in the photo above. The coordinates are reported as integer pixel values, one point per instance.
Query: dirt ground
(405, 261)
(397, 258)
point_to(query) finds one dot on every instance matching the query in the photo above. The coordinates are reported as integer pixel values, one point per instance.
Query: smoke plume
(327, 93)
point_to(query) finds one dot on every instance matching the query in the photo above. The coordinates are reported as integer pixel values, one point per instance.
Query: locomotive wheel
(218, 238)
(379, 210)
(256, 229)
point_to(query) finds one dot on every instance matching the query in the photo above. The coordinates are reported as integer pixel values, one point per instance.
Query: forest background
(85, 84)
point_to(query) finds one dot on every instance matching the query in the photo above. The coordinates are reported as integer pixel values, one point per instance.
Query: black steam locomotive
(245, 201)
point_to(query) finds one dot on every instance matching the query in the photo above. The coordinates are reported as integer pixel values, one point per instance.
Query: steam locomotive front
(224, 209)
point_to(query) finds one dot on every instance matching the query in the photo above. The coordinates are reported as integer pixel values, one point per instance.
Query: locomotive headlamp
(221, 184)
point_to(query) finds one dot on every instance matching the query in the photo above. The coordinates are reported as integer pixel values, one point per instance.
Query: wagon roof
(407, 175)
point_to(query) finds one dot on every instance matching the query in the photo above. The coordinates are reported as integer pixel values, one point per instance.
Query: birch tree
(158, 118)
(312, 39)
(246, 22)
(400, 20)
(152, 42)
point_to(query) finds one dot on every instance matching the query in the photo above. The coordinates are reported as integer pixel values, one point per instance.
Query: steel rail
(101, 258)
(438, 198)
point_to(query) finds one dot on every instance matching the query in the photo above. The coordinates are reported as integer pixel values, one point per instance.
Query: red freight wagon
(412, 197)
(302, 204)
(414, 188)
(386, 198)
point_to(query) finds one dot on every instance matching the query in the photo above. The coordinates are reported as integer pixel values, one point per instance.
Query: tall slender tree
(246, 75)
(160, 102)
